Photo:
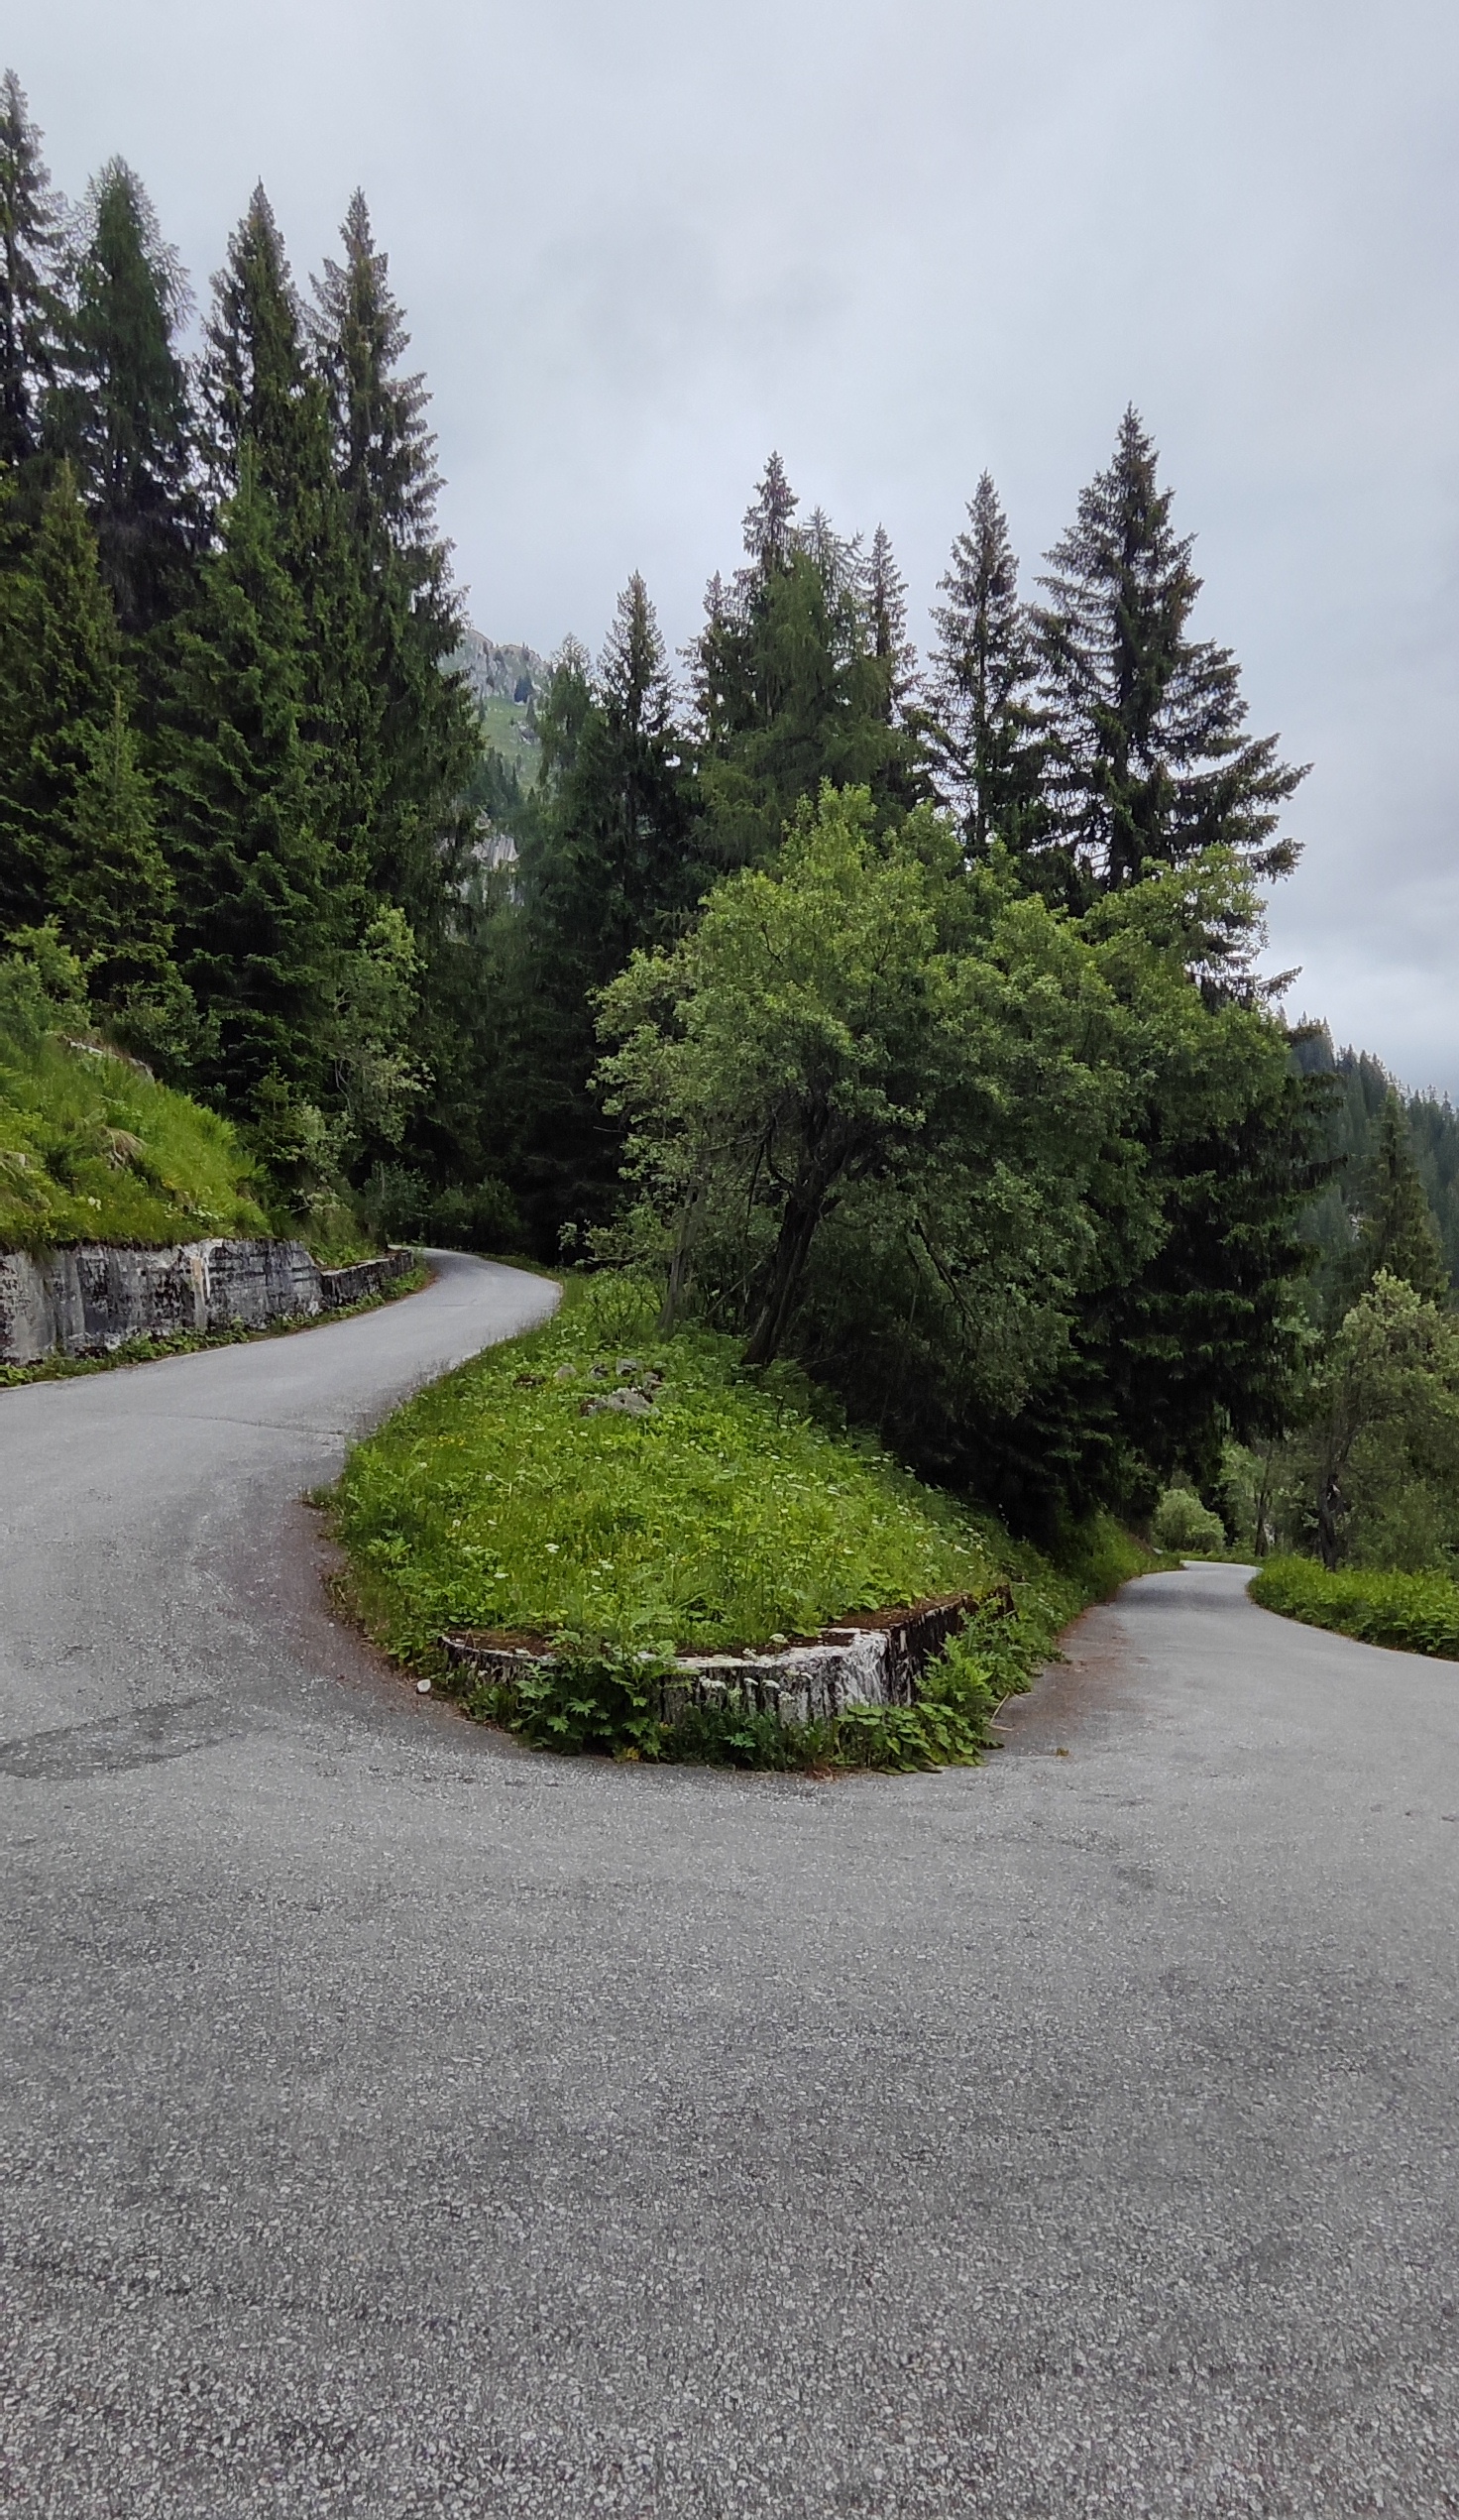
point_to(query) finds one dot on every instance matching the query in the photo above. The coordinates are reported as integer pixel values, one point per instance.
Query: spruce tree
(985, 727)
(893, 655)
(1398, 1230)
(256, 925)
(122, 412)
(1149, 758)
(611, 861)
(78, 839)
(253, 381)
(789, 688)
(264, 402)
(114, 899)
(31, 308)
(607, 862)
(414, 732)
(59, 677)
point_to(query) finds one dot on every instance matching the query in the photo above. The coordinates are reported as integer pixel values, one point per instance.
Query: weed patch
(1419, 1614)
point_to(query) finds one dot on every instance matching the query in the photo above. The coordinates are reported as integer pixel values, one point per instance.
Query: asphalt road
(398, 2123)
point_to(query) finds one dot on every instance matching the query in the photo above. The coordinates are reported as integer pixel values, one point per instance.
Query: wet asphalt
(398, 2123)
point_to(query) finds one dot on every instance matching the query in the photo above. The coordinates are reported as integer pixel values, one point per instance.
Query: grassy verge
(93, 1150)
(723, 1509)
(1419, 1614)
(150, 1346)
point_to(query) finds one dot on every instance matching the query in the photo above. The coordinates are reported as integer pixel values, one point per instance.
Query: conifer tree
(789, 688)
(414, 732)
(122, 412)
(256, 927)
(263, 401)
(1149, 758)
(1398, 1232)
(254, 383)
(607, 862)
(31, 308)
(78, 839)
(986, 724)
(769, 519)
(59, 676)
(114, 898)
(611, 860)
(894, 655)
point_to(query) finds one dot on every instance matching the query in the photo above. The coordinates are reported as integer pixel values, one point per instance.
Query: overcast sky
(641, 241)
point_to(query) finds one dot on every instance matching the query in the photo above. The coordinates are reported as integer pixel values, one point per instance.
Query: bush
(1186, 1528)
(1418, 1614)
(484, 1217)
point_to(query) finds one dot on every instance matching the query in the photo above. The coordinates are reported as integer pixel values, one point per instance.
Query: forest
(901, 1018)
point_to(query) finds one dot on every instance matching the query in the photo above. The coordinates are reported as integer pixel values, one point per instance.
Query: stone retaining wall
(92, 1297)
(878, 1664)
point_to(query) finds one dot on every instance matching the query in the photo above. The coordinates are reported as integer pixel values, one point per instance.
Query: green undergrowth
(1419, 1614)
(93, 1150)
(150, 1346)
(736, 1511)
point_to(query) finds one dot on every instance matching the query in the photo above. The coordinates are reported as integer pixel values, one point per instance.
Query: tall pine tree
(122, 411)
(1398, 1232)
(789, 687)
(414, 732)
(265, 404)
(30, 308)
(256, 922)
(986, 735)
(1148, 755)
(78, 838)
(608, 863)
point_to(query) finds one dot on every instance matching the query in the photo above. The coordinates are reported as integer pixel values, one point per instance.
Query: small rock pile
(636, 1391)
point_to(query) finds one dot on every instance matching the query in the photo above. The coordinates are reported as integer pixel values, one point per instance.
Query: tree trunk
(791, 1250)
(679, 1267)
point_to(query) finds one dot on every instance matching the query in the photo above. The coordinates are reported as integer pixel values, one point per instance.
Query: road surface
(398, 2123)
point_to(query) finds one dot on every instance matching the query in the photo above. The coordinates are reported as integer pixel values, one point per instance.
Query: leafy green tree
(377, 1075)
(30, 308)
(985, 722)
(1150, 761)
(1379, 1456)
(122, 410)
(258, 933)
(849, 1042)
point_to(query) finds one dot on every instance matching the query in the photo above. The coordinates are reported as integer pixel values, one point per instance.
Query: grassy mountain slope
(93, 1150)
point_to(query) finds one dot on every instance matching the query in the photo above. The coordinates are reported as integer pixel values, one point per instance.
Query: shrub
(1417, 1613)
(1185, 1526)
